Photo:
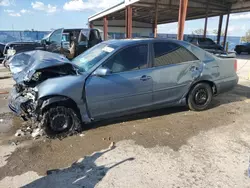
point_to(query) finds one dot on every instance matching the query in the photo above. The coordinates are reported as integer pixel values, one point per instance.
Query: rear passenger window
(170, 53)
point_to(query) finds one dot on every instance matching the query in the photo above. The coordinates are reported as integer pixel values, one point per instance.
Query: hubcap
(201, 97)
(60, 122)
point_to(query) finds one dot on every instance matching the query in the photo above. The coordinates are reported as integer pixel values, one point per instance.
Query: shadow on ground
(84, 173)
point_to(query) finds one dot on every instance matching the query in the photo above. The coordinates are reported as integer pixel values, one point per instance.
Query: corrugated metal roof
(168, 10)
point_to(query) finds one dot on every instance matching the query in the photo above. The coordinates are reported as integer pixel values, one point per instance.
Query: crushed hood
(24, 65)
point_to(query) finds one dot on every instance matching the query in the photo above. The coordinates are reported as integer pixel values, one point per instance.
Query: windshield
(91, 57)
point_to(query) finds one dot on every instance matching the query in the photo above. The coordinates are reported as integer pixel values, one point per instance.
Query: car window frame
(125, 47)
(56, 42)
(153, 55)
(208, 39)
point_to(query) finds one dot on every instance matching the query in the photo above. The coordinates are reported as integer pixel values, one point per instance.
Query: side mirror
(102, 72)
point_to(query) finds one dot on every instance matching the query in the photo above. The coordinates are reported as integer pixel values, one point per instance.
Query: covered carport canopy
(149, 13)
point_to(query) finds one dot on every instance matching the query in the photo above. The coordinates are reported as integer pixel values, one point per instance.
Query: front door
(174, 69)
(128, 87)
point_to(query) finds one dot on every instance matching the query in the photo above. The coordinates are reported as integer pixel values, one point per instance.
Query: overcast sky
(48, 14)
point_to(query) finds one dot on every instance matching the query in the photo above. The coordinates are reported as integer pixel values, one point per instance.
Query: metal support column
(156, 18)
(219, 29)
(105, 28)
(182, 18)
(128, 20)
(205, 26)
(226, 29)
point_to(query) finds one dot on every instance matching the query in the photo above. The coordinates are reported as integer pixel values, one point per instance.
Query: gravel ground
(165, 148)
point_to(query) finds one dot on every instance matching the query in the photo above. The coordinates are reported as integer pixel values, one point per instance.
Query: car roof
(126, 42)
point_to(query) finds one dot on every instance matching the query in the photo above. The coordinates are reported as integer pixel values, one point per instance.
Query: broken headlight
(11, 52)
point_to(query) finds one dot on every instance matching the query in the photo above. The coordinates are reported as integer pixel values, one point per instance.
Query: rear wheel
(60, 121)
(200, 97)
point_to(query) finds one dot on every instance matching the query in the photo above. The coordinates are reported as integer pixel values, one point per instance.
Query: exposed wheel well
(57, 100)
(212, 85)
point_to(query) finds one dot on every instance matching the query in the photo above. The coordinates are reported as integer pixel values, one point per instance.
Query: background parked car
(58, 41)
(242, 48)
(206, 44)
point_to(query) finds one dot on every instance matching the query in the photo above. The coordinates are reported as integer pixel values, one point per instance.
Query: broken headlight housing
(11, 52)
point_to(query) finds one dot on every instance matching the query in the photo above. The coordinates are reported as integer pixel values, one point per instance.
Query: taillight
(235, 65)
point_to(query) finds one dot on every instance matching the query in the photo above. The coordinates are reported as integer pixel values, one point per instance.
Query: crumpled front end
(22, 101)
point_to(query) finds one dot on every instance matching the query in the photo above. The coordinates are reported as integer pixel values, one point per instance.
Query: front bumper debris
(21, 105)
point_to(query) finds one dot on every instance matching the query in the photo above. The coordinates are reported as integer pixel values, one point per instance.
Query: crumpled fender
(61, 100)
(53, 100)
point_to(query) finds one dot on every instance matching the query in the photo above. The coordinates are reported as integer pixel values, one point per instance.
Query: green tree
(198, 32)
(215, 31)
(246, 38)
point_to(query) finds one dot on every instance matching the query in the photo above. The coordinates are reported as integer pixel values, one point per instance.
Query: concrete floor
(244, 66)
(173, 147)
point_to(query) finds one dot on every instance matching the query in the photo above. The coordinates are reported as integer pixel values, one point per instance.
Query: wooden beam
(128, 22)
(156, 18)
(105, 28)
(219, 29)
(226, 29)
(182, 18)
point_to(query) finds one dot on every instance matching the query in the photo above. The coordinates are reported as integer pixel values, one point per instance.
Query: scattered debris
(37, 132)
(112, 145)
(19, 132)
(133, 133)
(109, 138)
(167, 133)
(14, 143)
(82, 135)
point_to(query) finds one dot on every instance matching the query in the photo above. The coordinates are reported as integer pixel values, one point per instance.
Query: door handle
(145, 78)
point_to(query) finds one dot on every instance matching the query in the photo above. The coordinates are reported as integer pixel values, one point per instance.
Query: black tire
(60, 121)
(200, 97)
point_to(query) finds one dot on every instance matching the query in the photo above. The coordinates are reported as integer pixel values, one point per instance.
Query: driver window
(131, 58)
(56, 37)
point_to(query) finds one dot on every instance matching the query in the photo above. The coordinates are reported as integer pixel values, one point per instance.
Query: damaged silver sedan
(113, 79)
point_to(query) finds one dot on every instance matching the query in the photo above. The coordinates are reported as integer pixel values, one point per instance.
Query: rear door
(174, 69)
(55, 41)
